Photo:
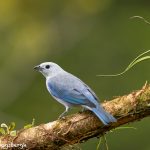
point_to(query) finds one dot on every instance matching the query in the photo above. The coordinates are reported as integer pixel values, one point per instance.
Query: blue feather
(73, 91)
(105, 117)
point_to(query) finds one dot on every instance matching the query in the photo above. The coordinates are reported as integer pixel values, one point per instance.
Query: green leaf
(118, 128)
(99, 144)
(103, 141)
(30, 125)
(5, 129)
(137, 60)
(11, 126)
(142, 18)
(3, 125)
(13, 133)
(27, 126)
(2, 131)
(33, 121)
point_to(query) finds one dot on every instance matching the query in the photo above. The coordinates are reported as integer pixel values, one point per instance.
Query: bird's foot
(82, 110)
(61, 117)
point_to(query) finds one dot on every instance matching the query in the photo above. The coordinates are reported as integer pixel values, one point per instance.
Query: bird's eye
(47, 66)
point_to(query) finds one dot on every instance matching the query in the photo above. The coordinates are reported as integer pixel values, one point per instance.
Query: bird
(70, 91)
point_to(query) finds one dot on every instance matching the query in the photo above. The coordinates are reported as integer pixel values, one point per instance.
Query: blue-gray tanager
(71, 91)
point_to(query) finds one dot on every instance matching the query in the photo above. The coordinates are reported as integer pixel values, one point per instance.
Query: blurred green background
(86, 38)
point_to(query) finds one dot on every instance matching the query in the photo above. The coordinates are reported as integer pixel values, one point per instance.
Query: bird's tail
(104, 116)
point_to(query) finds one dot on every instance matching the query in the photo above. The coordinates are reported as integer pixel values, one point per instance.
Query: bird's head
(48, 69)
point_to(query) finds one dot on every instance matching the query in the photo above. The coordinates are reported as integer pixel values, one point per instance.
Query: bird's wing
(72, 91)
(91, 91)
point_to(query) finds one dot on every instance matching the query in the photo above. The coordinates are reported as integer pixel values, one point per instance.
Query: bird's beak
(38, 68)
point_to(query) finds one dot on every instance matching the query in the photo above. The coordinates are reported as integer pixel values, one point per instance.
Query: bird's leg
(83, 109)
(62, 115)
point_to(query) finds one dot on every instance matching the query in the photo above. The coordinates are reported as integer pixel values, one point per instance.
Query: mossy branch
(80, 127)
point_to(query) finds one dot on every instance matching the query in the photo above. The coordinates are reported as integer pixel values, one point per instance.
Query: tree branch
(79, 127)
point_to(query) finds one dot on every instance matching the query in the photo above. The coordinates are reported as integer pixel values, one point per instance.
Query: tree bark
(80, 127)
